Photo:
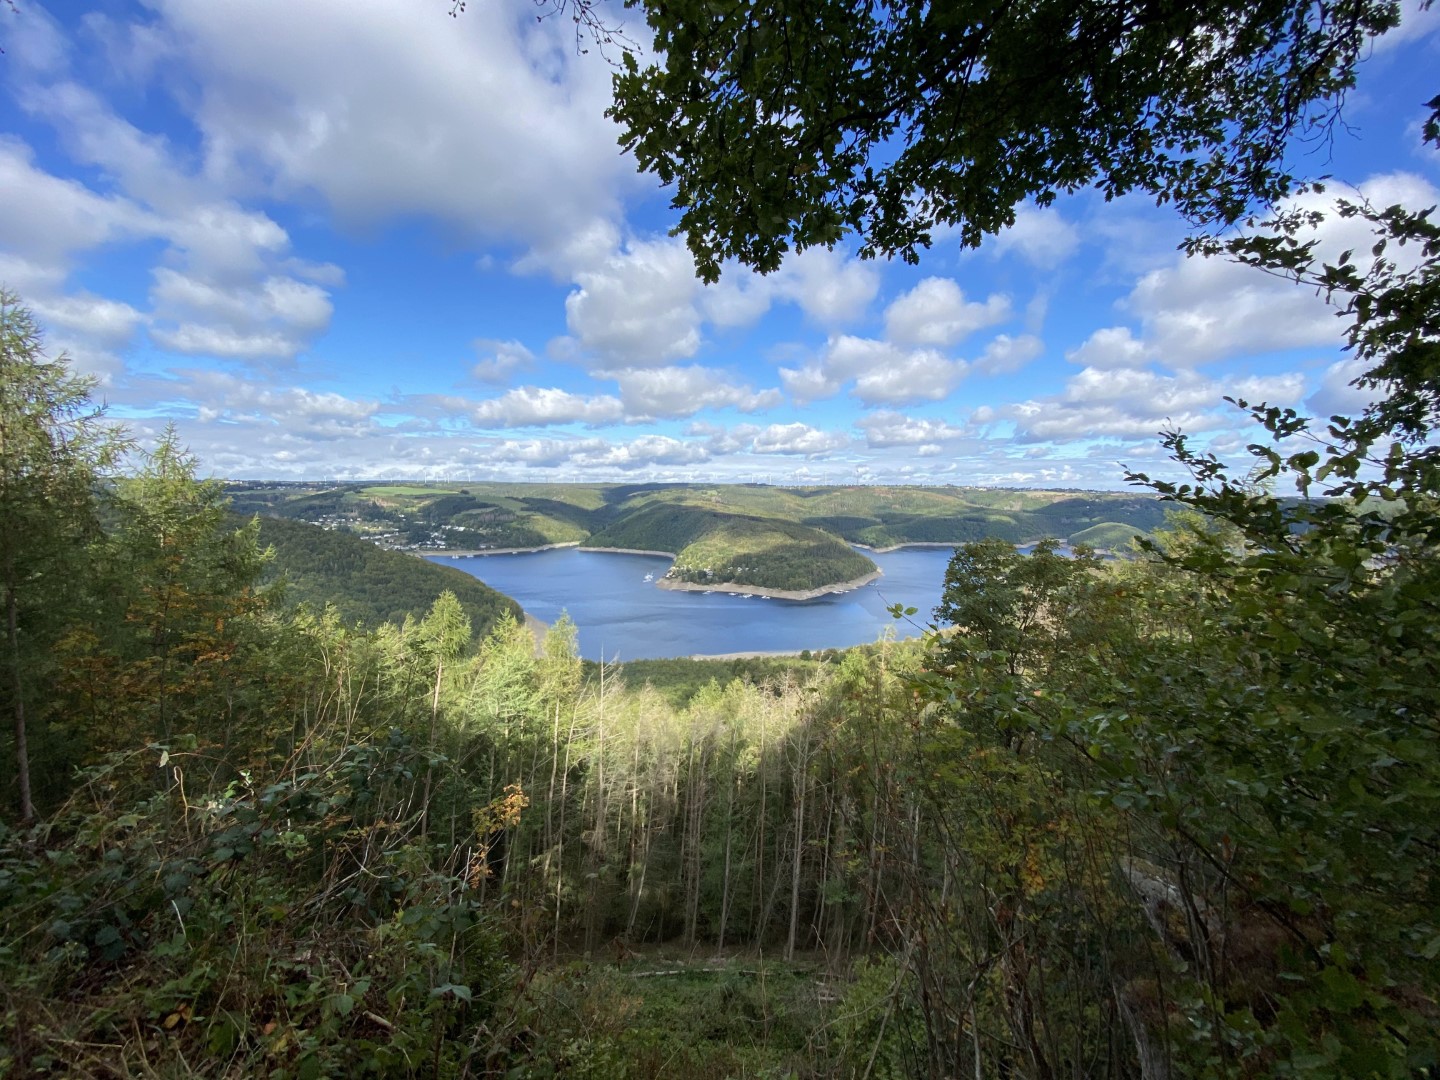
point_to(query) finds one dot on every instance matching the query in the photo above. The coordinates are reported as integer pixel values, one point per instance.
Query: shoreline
(469, 554)
(629, 551)
(754, 654)
(776, 594)
(909, 544)
(761, 654)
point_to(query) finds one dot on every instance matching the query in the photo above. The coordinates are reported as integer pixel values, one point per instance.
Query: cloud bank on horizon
(366, 240)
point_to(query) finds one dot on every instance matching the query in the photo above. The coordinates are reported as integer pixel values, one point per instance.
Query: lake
(623, 616)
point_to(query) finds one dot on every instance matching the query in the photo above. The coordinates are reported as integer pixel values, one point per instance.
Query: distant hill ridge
(750, 534)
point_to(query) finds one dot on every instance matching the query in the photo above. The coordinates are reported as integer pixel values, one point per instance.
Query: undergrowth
(294, 926)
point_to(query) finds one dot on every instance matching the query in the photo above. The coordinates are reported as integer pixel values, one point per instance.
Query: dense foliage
(366, 584)
(53, 451)
(785, 127)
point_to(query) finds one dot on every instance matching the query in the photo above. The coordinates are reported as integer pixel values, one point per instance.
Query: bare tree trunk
(694, 829)
(637, 851)
(802, 787)
(560, 848)
(840, 920)
(822, 878)
(876, 862)
(1151, 1052)
(760, 836)
(550, 793)
(729, 841)
(639, 888)
(22, 745)
(429, 768)
(596, 859)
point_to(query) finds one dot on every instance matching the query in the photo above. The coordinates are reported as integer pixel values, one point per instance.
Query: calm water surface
(622, 615)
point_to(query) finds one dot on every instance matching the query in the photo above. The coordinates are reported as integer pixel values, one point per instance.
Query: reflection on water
(621, 614)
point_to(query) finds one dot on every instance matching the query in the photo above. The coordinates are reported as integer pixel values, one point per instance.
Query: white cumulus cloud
(533, 406)
(936, 313)
(500, 359)
(673, 392)
(1040, 235)
(796, 439)
(886, 428)
(638, 308)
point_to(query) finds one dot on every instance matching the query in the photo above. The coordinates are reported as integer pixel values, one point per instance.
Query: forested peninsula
(789, 542)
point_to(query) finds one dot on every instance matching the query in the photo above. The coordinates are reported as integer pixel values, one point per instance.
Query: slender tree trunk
(802, 787)
(560, 849)
(760, 838)
(430, 769)
(695, 829)
(729, 842)
(633, 855)
(876, 869)
(840, 921)
(822, 879)
(22, 745)
(639, 888)
(550, 794)
(598, 848)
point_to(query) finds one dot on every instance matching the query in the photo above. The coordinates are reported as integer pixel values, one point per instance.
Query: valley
(792, 541)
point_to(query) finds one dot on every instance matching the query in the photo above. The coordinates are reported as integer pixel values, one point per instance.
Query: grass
(393, 490)
(652, 1015)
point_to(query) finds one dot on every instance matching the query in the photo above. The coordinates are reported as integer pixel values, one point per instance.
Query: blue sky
(363, 239)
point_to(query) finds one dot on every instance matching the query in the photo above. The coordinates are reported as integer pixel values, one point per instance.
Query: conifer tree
(55, 449)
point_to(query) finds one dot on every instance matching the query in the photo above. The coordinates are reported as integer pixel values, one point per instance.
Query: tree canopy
(785, 124)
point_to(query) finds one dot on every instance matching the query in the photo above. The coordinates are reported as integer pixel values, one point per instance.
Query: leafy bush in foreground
(293, 925)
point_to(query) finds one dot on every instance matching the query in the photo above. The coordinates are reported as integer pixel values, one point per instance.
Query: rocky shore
(468, 553)
(910, 544)
(629, 551)
(760, 590)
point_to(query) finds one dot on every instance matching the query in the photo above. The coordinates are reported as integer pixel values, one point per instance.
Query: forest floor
(674, 1010)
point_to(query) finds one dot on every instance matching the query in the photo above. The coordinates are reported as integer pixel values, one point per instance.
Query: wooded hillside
(369, 585)
(713, 547)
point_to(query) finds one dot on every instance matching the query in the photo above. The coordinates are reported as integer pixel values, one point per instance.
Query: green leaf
(1343, 992)
(455, 990)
